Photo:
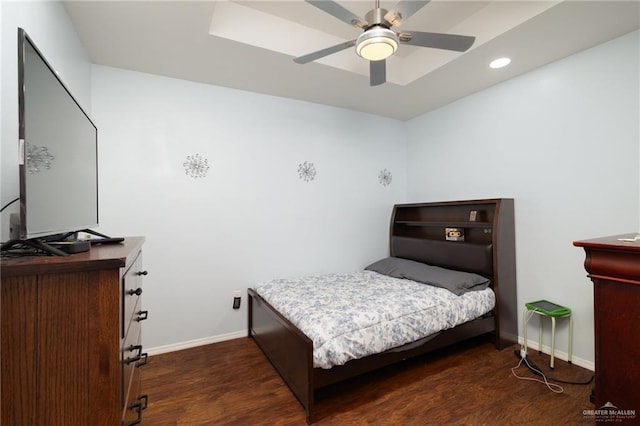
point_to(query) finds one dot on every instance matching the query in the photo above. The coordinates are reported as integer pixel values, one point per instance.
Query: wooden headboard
(477, 258)
(472, 236)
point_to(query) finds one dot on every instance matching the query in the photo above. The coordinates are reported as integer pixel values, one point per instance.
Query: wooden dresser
(71, 341)
(614, 268)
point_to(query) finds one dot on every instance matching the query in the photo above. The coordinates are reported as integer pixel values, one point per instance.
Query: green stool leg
(540, 316)
(524, 329)
(553, 339)
(570, 337)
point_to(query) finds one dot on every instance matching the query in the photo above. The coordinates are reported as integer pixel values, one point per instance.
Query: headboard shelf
(480, 233)
(459, 243)
(473, 236)
(446, 224)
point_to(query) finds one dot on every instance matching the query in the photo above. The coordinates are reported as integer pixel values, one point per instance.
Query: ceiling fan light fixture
(377, 43)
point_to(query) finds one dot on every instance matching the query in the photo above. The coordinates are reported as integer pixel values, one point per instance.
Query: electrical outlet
(236, 299)
(14, 226)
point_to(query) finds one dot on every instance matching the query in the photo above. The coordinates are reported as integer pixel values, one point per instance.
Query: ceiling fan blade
(337, 11)
(324, 52)
(377, 72)
(459, 43)
(403, 10)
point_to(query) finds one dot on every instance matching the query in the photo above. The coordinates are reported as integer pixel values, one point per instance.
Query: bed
(474, 238)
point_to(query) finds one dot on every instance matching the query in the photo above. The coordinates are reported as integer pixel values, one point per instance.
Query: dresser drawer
(133, 358)
(132, 351)
(131, 292)
(135, 403)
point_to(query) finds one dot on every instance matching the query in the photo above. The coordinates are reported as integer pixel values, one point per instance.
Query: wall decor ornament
(38, 158)
(306, 171)
(196, 166)
(385, 177)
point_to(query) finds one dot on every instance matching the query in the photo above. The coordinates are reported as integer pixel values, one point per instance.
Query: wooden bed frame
(418, 232)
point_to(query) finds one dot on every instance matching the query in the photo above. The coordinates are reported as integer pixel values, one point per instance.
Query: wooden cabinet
(614, 267)
(71, 341)
(481, 231)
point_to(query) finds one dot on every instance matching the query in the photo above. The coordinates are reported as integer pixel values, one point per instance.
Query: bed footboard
(287, 348)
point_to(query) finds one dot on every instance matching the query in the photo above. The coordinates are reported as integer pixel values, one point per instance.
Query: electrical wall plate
(237, 297)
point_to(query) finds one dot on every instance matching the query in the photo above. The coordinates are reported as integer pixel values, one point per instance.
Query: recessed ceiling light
(500, 62)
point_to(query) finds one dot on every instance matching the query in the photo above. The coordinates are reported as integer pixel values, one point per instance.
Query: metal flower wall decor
(38, 158)
(196, 166)
(306, 171)
(385, 177)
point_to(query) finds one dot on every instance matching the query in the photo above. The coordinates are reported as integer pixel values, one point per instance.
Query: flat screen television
(58, 145)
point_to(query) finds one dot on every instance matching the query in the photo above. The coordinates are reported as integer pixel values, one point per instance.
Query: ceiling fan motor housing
(375, 17)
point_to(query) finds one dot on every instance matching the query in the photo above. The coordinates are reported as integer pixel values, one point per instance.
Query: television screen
(58, 148)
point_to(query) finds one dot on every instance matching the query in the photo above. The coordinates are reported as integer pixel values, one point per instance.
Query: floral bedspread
(350, 316)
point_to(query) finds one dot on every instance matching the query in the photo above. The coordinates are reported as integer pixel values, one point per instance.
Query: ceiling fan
(379, 41)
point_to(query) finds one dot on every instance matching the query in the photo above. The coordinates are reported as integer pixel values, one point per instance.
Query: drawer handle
(137, 292)
(134, 358)
(141, 273)
(138, 407)
(143, 360)
(142, 315)
(145, 399)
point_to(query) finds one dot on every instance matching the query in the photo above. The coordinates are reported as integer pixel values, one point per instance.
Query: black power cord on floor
(537, 370)
(523, 358)
(534, 368)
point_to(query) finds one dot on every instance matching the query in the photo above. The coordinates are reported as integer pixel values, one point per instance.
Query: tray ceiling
(250, 45)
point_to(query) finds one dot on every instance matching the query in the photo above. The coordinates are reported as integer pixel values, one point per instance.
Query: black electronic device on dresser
(71, 342)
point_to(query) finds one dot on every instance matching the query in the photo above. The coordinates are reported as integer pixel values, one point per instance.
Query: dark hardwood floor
(470, 384)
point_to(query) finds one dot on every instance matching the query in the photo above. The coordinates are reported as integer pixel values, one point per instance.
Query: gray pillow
(457, 282)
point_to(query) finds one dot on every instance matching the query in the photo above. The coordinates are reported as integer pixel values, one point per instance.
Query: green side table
(544, 308)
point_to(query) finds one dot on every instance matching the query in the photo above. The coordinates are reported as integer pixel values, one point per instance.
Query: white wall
(563, 141)
(252, 218)
(48, 25)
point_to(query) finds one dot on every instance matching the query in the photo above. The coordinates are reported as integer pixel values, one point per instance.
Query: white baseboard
(194, 343)
(581, 362)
